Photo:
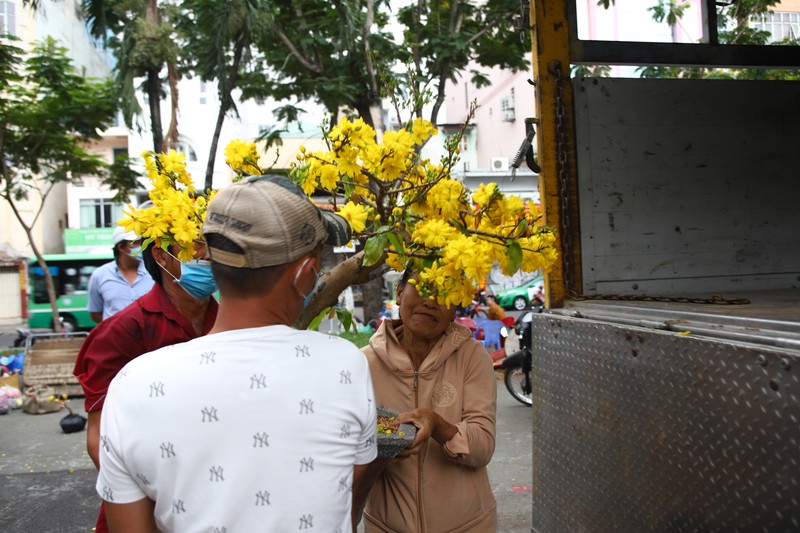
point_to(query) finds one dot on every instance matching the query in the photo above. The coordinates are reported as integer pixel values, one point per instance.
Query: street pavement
(47, 479)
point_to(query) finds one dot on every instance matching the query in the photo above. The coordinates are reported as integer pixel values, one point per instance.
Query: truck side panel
(687, 186)
(637, 429)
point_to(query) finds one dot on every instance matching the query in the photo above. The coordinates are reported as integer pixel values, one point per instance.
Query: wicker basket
(50, 361)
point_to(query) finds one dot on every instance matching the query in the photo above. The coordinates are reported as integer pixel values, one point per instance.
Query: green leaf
(317, 319)
(514, 254)
(346, 318)
(396, 241)
(374, 249)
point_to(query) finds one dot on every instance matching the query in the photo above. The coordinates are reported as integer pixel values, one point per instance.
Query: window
(782, 26)
(100, 213)
(186, 148)
(507, 112)
(203, 98)
(8, 18)
(119, 153)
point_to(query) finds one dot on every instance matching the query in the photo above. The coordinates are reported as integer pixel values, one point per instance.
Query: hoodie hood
(387, 346)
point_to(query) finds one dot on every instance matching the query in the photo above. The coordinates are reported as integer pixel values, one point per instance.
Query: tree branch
(315, 69)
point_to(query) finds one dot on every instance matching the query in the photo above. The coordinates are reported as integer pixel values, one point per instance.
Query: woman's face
(423, 317)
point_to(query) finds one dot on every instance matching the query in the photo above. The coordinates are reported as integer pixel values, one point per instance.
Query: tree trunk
(225, 105)
(154, 96)
(154, 84)
(171, 138)
(372, 294)
(331, 284)
(48, 278)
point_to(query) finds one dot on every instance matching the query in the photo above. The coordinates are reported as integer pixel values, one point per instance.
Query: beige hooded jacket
(444, 489)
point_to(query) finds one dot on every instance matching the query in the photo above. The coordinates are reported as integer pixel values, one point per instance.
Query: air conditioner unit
(499, 163)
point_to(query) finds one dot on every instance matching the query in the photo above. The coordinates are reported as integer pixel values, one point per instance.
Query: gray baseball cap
(272, 220)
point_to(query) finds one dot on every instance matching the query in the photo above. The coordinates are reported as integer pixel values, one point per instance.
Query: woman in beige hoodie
(431, 370)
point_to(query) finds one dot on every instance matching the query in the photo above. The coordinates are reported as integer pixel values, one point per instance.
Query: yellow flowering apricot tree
(176, 211)
(406, 210)
(409, 211)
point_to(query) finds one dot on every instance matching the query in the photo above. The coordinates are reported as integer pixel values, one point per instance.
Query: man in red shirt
(178, 308)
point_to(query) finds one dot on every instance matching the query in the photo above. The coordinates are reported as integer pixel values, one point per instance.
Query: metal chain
(523, 22)
(561, 152)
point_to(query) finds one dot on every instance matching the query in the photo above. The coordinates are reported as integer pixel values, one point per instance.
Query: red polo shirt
(149, 323)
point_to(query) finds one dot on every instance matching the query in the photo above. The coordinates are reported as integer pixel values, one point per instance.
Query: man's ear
(158, 255)
(398, 293)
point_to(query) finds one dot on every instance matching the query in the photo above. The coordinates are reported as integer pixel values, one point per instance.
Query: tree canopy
(48, 116)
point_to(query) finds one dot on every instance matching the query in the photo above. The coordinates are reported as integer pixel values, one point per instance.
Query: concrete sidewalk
(46, 477)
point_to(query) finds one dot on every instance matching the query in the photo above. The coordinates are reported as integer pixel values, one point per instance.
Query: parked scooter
(517, 366)
(22, 336)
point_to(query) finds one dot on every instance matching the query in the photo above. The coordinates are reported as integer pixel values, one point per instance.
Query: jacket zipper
(420, 512)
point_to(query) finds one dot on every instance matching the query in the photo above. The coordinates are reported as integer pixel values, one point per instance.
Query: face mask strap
(297, 278)
(174, 279)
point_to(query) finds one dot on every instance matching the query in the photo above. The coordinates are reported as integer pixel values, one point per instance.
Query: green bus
(71, 274)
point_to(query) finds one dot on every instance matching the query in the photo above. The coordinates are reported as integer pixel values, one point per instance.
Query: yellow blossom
(356, 216)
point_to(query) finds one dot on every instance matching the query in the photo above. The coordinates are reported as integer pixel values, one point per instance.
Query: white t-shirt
(242, 431)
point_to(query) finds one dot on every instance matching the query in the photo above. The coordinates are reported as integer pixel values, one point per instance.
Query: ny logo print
(345, 431)
(260, 440)
(156, 389)
(206, 358)
(219, 530)
(344, 377)
(210, 414)
(302, 351)
(142, 479)
(167, 450)
(262, 498)
(258, 382)
(307, 406)
(104, 442)
(108, 494)
(306, 522)
(306, 464)
(217, 473)
(343, 486)
(178, 507)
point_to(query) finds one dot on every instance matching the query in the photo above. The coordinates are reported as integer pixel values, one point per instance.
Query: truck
(666, 394)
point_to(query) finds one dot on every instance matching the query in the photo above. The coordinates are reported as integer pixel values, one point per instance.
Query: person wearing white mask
(113, 286)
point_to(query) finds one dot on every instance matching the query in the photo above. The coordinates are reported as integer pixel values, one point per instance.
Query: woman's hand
(429, 424)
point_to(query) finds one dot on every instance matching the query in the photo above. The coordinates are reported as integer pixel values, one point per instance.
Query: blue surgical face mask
(136, 253)
(196, 278)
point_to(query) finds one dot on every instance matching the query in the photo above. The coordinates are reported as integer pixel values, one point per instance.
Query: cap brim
(337, 227)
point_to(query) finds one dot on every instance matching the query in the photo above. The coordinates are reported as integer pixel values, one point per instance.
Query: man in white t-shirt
(255, 426)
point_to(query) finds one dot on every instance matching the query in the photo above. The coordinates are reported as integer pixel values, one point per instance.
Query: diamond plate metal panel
(644, 430)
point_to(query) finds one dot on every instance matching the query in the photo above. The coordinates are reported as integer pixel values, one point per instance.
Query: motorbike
(517, 366)
(22, 336)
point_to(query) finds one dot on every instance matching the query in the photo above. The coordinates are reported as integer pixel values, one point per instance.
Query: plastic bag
(40, 399)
